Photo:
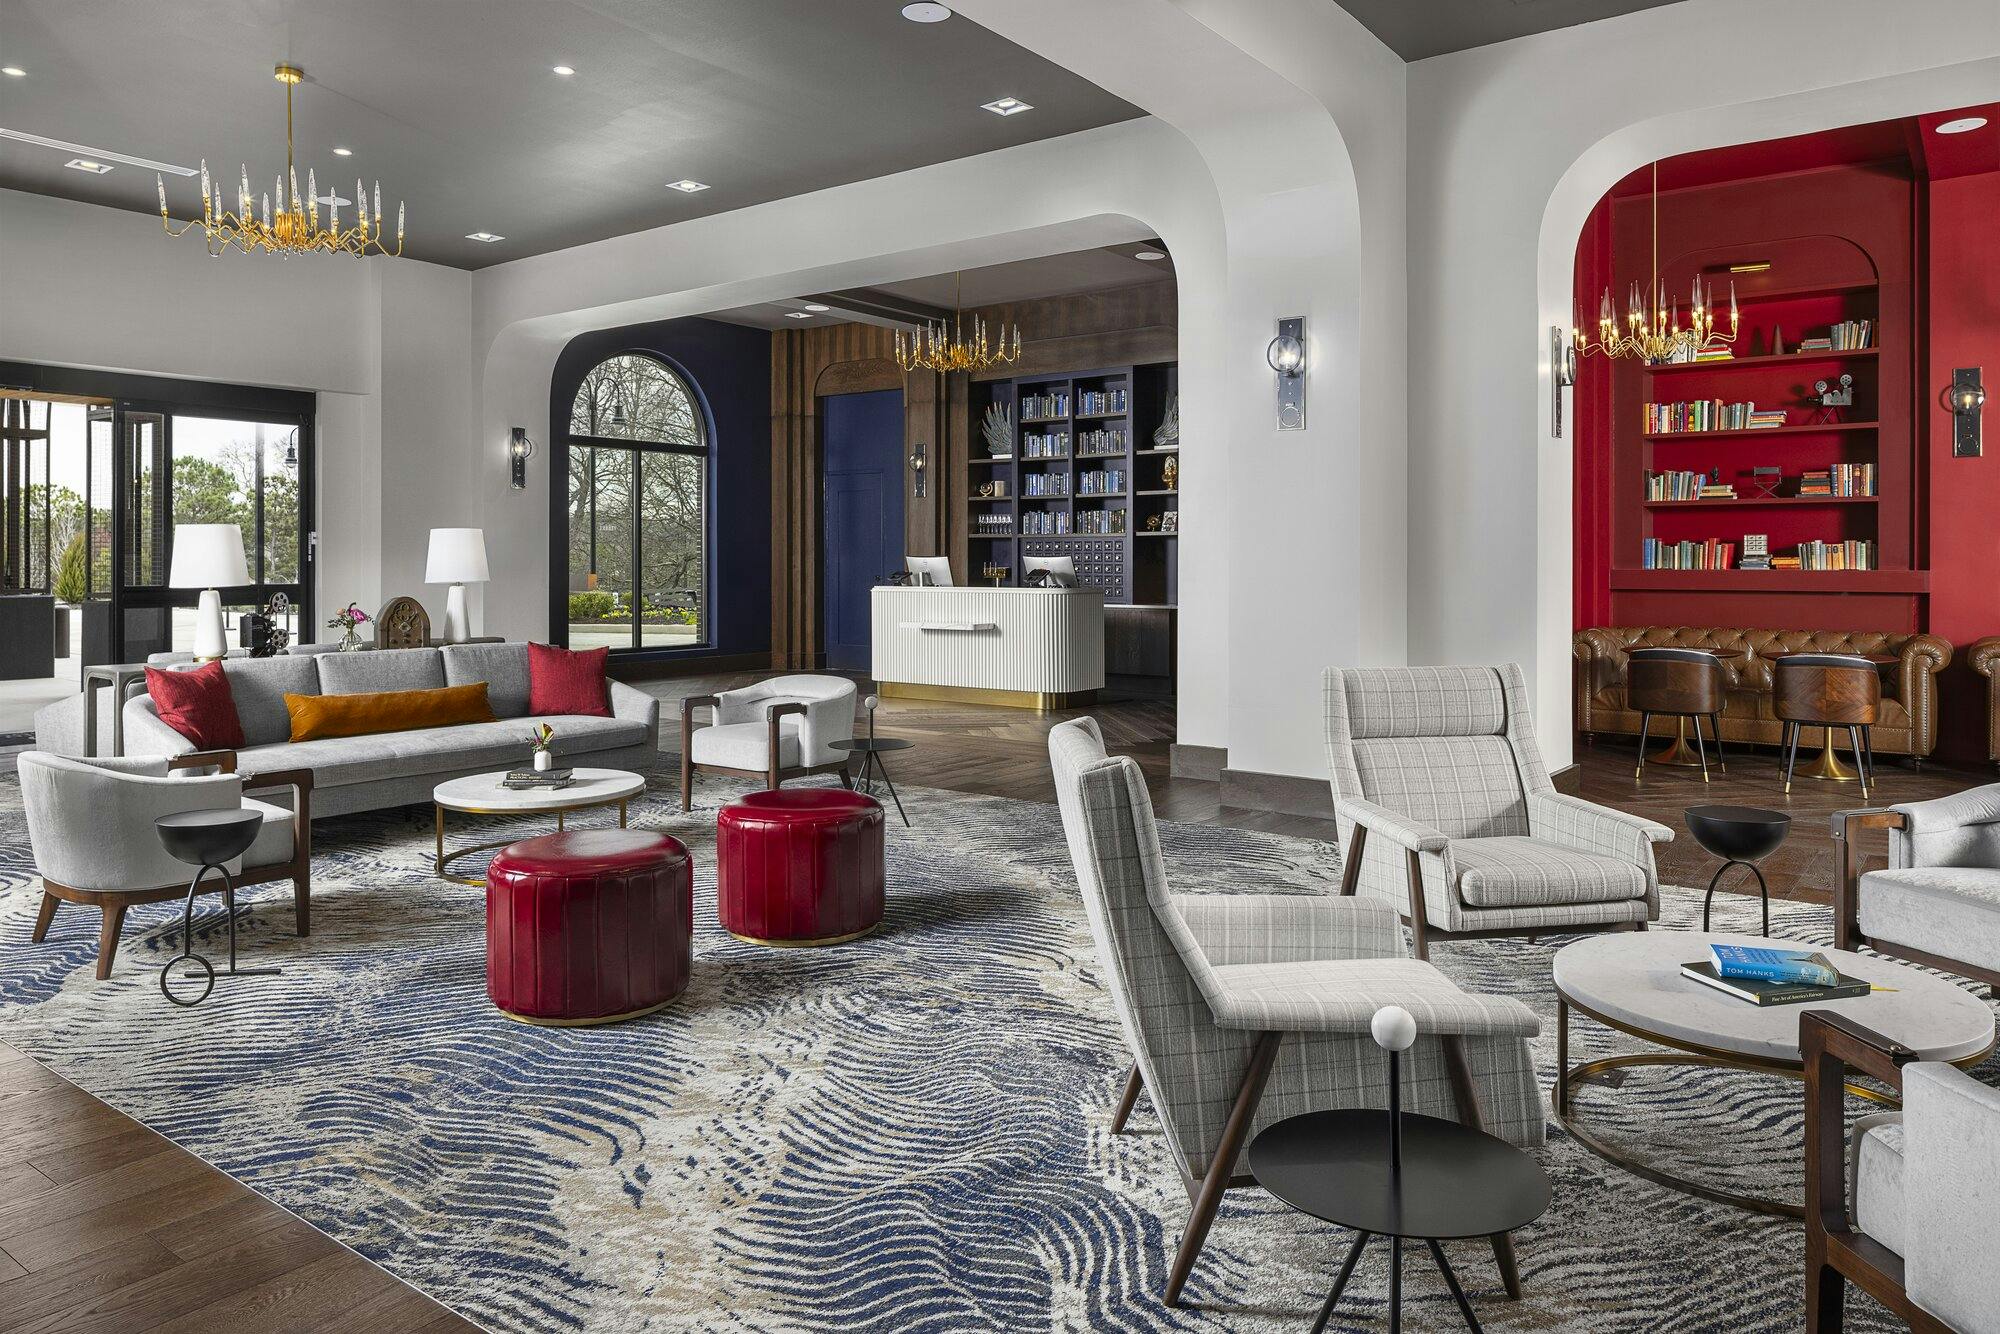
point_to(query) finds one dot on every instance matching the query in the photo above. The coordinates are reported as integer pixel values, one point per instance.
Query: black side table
(1453, 1182)
(871, 750)
(1741, 836)
(207, 840)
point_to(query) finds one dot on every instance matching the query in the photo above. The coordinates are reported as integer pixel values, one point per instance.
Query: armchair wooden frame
(114, 903)
(1836, 1049)
(1418, 916)
(1847, 933)
(773, 775)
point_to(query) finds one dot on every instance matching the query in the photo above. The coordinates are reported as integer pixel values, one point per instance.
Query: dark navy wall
(730, 367)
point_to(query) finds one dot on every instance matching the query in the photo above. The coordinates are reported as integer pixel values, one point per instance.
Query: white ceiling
(452, 104)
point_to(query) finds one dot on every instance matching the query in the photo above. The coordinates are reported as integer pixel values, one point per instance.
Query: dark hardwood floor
(105, 1226)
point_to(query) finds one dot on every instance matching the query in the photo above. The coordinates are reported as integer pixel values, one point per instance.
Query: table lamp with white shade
(458, 558)
(208, 556)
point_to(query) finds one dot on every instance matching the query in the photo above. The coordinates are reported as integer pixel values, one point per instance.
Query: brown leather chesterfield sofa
(1908, 724)
(1985, 657)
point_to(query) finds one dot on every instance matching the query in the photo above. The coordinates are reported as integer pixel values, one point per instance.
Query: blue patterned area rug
(906, 1133)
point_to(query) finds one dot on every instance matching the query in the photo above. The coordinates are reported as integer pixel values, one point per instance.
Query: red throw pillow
(198, 705)
(564, 680)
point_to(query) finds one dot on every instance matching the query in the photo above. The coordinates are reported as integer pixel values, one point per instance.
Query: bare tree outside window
(637, 508)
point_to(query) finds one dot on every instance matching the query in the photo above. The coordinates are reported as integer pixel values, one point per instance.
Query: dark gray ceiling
(1417, 29)
(452, 105)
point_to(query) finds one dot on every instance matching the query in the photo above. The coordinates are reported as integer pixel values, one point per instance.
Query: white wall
(1509, 147)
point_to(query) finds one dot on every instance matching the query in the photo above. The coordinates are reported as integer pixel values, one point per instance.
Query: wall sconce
(918, 465)
(1287, 355)
(1562, 374)
(1965, 398)
(519, 448)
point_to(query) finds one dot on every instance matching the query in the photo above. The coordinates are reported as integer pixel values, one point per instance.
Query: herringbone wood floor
(105, 1226)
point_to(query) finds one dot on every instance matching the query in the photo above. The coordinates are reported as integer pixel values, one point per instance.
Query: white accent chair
(90, 827)
(1446, 809)
(1909, 1218)
(1939, 901)
(777, 729)
(1243, 1009)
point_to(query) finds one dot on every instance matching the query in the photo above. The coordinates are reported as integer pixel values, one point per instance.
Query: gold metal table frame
(1682, 1053)
(444, 859)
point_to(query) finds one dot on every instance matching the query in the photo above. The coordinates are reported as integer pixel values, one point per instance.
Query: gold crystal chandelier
(935, 348)
(294, 228)
(1653, 330)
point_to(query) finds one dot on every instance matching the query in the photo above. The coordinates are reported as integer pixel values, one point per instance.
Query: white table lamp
(458, 558)
(208, 556)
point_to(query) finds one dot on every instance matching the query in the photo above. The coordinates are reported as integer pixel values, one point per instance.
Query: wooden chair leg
(107, 938)
(1420, 925)
(1350, 872)
(1466, 1094)
(1223, 1165)
(44, 916)
(1133, 1083)
(687, 782)
(302, 906)
(1645, 726)
(1826, 1298)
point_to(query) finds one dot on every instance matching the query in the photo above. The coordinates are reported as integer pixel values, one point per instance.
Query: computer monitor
(934, 570)
(1061, 570)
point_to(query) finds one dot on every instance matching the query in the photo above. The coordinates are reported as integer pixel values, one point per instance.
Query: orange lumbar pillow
(316, 716)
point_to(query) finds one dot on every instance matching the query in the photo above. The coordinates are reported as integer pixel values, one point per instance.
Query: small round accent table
(800, 866)
(208, 840)
(1455, 1182)
(871, 749)
(1741, 836)
(590, 926)
(487, 794)
(1632, 981)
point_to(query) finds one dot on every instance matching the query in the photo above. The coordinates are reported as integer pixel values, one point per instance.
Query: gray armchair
(90, 826)
(1446, 809)
(1241, 1010)
(777, 729)
(1909, 1217)
(1939, 901)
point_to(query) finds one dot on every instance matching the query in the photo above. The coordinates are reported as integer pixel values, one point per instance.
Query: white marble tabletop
(484, 793)
(1635, 979)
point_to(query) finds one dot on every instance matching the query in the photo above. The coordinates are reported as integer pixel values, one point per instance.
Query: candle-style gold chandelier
(935, 348)
(293, 229)
(1653, 330)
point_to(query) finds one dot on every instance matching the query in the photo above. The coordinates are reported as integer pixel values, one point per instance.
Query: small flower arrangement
(539, 739)
(349, 620)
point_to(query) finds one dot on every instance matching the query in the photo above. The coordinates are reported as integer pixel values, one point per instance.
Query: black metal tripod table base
(208, 973)
(208, 840)
(871, 750)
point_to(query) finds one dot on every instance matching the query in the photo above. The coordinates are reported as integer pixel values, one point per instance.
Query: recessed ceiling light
(816, 308)
(16, 72)
(486, 238)
(1149, 255)
(563, 70)
(343, 152)
(686, 187)
(85, 164)
(1961, 125)
(797, 315)
(93, 153)
(926, 13)
(1006, 106)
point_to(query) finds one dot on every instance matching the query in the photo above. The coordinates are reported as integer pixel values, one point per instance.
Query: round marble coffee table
(1631, 981)
(487, 794)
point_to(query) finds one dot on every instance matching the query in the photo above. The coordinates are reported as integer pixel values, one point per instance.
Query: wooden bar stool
(1828, 690)
(1682, 683)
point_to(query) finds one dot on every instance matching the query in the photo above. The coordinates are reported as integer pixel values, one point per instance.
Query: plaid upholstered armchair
(1243, 1009)
(1446, 810)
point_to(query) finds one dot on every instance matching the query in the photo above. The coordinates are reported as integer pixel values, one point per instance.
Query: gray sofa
(362, 773)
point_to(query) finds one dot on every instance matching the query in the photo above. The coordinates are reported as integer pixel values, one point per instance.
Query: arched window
(638, 508)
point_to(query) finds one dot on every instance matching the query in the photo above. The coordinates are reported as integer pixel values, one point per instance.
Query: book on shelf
(1710, 415)
(1853, 554)
(1840, 479)
(1763, 991)
(1709, 554)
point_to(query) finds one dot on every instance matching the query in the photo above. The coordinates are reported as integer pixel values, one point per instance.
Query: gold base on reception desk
(1037, 700)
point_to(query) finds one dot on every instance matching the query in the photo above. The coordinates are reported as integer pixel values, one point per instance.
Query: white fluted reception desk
(1036, 648)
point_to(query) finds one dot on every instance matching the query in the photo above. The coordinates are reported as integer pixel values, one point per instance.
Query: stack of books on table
(522, 779)
(1765, 976)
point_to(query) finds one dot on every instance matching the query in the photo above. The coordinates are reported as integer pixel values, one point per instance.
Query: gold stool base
(587, 1023)
(817, 942)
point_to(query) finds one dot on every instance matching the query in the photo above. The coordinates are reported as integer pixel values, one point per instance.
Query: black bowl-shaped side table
(207, 840)
(1454, 1182)
(1741, 836)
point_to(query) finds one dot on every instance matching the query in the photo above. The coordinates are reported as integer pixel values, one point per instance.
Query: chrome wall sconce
(918, 466)
(1965, 398)
(1562, 375)
(519, 449)
(1287, 356)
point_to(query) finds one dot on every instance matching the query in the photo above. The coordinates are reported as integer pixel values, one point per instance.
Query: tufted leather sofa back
(1752, 670)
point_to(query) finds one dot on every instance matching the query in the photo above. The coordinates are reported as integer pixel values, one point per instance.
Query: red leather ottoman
(799, 867)
(589, 926)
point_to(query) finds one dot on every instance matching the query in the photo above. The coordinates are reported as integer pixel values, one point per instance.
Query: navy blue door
(861, 455)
